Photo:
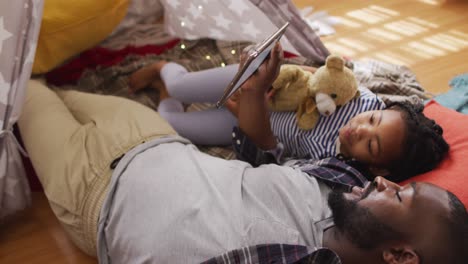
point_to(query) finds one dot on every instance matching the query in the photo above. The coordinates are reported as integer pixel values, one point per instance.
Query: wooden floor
(431, 39)
(35, 237)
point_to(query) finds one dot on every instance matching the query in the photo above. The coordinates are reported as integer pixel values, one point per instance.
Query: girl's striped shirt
(320, 142)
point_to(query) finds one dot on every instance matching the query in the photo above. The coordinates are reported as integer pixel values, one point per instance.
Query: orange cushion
(451, 174)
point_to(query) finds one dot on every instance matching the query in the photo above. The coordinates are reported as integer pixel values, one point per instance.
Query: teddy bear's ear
(307, 106)
(335, 62)
(307, 114)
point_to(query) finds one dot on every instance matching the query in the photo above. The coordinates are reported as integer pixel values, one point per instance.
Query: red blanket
(70, 72)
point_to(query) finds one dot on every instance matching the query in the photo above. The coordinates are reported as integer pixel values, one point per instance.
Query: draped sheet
(242, 20)
(19, 29)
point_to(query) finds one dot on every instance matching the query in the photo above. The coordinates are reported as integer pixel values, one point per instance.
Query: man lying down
(126, 188)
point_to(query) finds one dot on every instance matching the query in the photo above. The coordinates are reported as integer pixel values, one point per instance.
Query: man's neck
(346, 250)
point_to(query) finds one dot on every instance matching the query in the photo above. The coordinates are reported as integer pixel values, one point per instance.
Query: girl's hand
(232, 104)
(260, 82)
(266, 74)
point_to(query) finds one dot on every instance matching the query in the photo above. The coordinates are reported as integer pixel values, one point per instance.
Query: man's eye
(369, 146)
(398, 196)
(372, 119)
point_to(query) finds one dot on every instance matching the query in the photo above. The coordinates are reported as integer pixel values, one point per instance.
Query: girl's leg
(145, 76)
(205, 86)
(208, 127)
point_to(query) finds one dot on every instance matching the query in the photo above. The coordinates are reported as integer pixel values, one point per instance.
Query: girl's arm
(250, 106)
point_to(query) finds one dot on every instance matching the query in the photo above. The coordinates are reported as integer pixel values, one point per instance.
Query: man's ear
(400, 255)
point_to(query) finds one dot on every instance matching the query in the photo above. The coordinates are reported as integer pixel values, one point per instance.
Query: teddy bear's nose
(327, 113)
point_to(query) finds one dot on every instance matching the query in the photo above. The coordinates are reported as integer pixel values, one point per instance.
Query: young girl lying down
(376, 139)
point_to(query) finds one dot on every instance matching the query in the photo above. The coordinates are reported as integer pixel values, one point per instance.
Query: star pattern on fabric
(185, 22)
(217, 33)
(230, 20)
(238, 6)
(4, 34)
(195, 11)
(222, 22)
(4, 89)
(250, 29)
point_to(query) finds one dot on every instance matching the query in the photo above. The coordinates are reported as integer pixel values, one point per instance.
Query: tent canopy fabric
(19, 29)
(243, 20)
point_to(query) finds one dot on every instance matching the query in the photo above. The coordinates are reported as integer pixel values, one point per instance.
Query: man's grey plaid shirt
(334, 172)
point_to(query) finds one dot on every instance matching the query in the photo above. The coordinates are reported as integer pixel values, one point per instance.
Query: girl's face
(373, 137)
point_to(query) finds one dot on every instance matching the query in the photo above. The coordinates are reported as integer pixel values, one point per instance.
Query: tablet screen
(252, 67)
(255, 59)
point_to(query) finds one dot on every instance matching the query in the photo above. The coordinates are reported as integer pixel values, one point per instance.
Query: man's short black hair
(457, 228)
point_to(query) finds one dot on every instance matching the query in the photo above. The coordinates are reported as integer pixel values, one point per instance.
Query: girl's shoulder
(367, 100)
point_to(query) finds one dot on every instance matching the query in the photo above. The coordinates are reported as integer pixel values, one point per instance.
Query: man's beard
(358, 224)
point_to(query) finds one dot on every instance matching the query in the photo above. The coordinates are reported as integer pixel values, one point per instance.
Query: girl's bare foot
(159, 85)
(145, 76)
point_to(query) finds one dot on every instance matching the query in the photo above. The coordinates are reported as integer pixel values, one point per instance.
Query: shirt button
(238, 142)
(233, 134)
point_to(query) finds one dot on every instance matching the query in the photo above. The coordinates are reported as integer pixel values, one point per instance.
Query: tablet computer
(255, 57)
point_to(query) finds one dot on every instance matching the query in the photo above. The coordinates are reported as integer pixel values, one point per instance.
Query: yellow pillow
(70, 27)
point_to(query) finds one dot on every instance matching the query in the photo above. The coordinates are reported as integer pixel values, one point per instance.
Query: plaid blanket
(389, 81)
(277, 253)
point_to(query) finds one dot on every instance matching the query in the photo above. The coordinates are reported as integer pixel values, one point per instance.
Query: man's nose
(382, 184)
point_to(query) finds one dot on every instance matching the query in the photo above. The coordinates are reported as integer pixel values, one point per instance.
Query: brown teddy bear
(310, 95)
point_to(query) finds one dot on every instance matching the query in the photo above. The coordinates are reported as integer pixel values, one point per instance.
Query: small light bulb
(200, 7)
(208, 57)
(223, 64)
(182, 23)
(233, 52)
(182, 46)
